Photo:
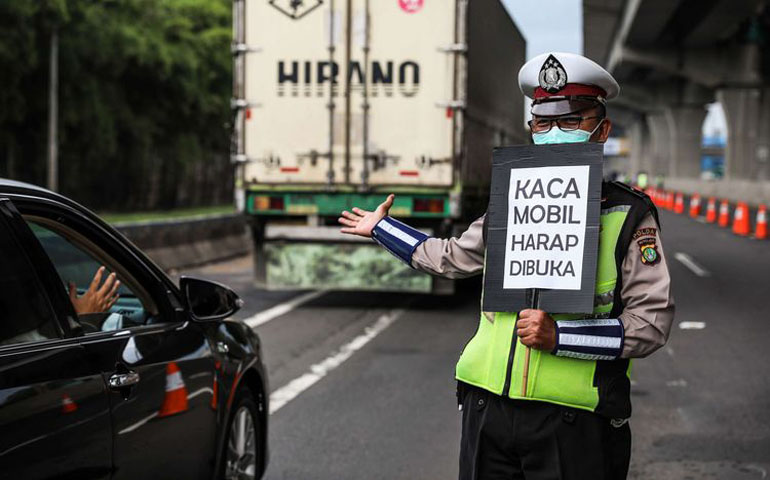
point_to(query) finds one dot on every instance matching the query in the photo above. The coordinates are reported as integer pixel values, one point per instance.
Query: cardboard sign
(543, 227)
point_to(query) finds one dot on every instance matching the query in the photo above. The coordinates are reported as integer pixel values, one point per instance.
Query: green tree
(144, 99)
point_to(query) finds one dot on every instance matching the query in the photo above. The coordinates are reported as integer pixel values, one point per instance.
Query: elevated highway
(674, 57)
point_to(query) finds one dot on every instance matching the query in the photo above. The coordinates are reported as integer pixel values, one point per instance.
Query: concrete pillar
(640, 159)
(742, 107)
(657, 124)
(685, 125)
(761, 170)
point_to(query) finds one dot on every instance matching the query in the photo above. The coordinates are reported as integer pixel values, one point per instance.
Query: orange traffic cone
(724, 213)
(670, 201)
(741, 224)
(711, 210)
(67, 404)
(679, 204)
(761, 232)
(175, 399)
(695, 205)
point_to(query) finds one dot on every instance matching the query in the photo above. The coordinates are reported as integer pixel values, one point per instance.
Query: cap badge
(552, 76)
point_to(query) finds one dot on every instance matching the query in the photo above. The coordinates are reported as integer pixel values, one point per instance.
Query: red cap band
(573, 89)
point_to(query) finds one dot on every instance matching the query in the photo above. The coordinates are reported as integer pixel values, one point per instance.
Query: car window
(76, 265)
(25, 313)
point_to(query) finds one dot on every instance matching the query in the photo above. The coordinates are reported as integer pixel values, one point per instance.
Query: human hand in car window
(98, 298)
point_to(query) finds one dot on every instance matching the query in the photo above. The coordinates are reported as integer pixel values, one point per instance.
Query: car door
(54, 410)
(160, 366)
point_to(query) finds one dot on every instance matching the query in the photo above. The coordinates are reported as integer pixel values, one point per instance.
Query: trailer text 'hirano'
(384, 78)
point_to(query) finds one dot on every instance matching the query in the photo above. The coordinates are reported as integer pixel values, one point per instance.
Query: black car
(160, 386)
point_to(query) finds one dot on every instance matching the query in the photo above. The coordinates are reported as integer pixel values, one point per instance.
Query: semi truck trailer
(338, 103)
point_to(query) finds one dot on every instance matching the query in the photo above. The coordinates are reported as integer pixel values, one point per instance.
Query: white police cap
(561, 83)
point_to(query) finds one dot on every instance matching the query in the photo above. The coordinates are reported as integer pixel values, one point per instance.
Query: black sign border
(504, 159)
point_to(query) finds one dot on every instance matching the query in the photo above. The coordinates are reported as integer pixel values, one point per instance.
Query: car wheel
(241, 447)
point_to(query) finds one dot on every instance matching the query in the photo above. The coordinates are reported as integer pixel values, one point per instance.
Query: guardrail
(187, 242)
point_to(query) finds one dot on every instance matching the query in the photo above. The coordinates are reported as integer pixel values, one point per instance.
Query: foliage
(143, 99)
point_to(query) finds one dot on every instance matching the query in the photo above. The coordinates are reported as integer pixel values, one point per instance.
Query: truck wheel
(241, 450)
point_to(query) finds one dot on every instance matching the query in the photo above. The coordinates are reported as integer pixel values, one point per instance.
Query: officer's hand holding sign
(536, 329)
(585, 251)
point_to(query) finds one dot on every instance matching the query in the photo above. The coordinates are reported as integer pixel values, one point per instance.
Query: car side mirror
(207, 300)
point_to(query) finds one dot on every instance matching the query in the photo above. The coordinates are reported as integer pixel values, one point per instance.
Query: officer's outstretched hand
(362, 222)
(536, 329)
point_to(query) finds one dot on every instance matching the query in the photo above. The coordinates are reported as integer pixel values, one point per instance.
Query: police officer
(571, 419)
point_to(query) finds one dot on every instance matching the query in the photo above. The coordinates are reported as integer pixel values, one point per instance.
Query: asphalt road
(364, 381)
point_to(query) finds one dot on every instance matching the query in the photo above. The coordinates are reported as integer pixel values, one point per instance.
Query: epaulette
(641, 195)
(629, 189)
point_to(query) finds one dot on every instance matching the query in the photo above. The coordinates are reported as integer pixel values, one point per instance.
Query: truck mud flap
(338, 266)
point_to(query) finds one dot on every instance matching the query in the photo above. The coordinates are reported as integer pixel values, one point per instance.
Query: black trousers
(523, 439)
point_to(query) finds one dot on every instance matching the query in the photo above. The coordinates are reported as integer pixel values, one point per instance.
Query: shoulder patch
(649, 250)
(645, 232)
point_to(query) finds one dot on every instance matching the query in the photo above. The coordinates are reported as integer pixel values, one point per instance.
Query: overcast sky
(551, 25)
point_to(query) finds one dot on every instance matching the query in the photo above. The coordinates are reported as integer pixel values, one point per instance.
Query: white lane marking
(281, 309)
(146, 419)
(291, 390)
(200, 391)
(677, 383)
(692, 325)
(758, 469)
(688, 262)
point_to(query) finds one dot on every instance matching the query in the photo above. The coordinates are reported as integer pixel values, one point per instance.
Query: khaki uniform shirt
(646, 292)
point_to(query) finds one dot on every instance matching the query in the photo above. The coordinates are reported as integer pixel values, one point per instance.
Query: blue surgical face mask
(557, 135)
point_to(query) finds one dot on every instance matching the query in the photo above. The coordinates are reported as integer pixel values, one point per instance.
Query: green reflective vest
(491, 360)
